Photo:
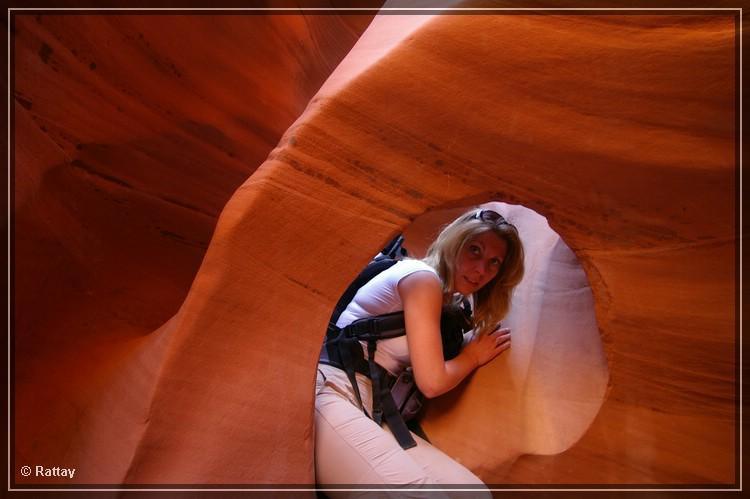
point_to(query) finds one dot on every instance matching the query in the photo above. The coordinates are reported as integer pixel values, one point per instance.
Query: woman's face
(478, 262)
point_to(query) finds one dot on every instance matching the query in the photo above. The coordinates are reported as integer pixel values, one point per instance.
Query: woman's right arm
(422, 297)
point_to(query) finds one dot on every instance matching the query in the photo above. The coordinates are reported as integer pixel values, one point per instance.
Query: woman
(479, 255)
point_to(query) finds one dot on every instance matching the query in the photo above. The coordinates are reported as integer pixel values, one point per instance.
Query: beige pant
(351, 449)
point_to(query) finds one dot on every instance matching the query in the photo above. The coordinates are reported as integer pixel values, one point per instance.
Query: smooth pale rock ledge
(619, 129)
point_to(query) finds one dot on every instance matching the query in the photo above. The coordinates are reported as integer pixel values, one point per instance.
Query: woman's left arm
(422, 297)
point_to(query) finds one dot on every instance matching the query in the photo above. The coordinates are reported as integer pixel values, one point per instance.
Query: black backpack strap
(379, 327)
(376, 376)
(395, 421)
(383, 405)
(373, 268)
(455, 320)
(329, 353)
(351, 355)
(342, 348)
(394, 249)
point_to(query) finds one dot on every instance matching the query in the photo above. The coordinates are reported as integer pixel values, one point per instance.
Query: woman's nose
(480, 268)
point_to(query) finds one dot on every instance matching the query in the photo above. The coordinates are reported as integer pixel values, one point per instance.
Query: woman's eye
(495, 262)
(474, 249)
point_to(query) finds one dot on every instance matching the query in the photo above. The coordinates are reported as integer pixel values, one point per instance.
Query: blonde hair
(491, 302)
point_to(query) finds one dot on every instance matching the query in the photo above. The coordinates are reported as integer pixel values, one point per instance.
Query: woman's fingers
(493, 344)
(501, 335)
(503, 340)
(500, 330)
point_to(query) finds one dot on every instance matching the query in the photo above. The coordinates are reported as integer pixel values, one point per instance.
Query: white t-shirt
(380, 296)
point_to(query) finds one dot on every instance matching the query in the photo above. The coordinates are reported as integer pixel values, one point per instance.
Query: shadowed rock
(600, 123)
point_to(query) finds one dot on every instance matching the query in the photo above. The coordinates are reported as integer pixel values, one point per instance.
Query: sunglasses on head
(490, 216)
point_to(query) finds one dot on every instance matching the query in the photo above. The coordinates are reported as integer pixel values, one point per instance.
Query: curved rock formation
(601, 123)
(131, 133)
(543, 395)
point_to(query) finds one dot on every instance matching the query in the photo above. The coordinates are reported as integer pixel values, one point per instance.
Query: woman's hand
(422, 296)
(485, 347)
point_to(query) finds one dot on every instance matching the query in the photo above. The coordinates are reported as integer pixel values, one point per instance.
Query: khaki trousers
(351, 449)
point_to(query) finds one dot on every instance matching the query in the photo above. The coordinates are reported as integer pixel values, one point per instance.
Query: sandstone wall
(619, 129)
(130, 134)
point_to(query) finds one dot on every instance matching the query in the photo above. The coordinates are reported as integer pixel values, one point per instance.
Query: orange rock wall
(603, 125)
(130, 134)
(600, 123)
(542, 395)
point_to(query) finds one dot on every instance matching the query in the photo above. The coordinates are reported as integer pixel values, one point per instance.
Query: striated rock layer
(542, 395)
(131, 133)
(601, 123)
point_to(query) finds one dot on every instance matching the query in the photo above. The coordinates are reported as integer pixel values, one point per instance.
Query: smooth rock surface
(131, 133)
(600, 123)
(543, 394)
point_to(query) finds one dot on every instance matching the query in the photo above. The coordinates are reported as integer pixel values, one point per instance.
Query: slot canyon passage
(145, 355)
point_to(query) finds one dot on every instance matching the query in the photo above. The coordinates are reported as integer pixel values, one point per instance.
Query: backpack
(395, 400)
